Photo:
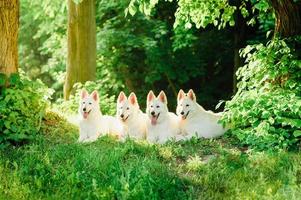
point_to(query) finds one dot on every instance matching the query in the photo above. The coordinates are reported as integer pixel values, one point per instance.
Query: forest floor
(55, 166)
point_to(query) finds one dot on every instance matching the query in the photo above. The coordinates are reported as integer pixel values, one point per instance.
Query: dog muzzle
(86, 114)
(154, 119)
(185, 116)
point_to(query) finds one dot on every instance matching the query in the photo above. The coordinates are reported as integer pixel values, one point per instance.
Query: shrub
(266, 111)
(107, 103)
(22, 106)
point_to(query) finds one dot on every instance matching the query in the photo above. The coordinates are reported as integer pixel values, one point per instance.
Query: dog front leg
(82, 136)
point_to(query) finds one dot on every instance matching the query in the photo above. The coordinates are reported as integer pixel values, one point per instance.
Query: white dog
(162, 125)
(92, 123)
(196, 121)
(131, 117)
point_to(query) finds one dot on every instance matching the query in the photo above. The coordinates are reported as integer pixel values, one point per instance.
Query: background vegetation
(168, 45)
(131, 51)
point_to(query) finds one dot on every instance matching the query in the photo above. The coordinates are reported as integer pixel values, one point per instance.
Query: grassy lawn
(56, 167)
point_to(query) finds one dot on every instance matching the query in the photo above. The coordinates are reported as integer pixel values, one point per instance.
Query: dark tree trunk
(288, 17)
(239, 41)
(9, 27)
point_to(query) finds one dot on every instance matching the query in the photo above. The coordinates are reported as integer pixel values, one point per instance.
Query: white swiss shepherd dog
(131, 117)
(195, 120)
(92, 123)
(161, 125)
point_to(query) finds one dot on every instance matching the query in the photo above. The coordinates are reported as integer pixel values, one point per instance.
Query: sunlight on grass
(194, 162)
(57, 165)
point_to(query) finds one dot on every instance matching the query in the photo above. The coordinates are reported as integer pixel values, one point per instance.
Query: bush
(265, 112)
(22, 106)
(107, 103)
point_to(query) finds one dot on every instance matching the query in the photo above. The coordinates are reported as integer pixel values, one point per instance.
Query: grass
(56, 167)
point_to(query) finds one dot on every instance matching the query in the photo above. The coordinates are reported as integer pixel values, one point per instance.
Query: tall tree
(9, 26)
(288, 17)
(81, 58)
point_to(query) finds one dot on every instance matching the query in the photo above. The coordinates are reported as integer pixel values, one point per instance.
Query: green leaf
(2, 79)
(7, 124)
(132, 9)
(14, 79)
(297, 133)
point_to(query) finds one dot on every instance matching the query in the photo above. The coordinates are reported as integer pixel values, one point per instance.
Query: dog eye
(152, 106)
(158, 106)
(187, 105)
(120, 107)
(90, 103)
(127, 108)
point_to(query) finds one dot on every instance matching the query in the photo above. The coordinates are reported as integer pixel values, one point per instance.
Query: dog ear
(181, 94)
(162, 97)
(94, 95)
(150, 96)
(84, 93)
(133, 98)
(121, 97)
(191, 95)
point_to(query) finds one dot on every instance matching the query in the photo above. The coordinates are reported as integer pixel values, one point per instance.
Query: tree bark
(81, 57)
(288, 17)
(9, 27)
(239, 41)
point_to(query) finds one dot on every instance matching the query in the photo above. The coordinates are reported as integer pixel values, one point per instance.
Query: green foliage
(131, 51)
(70, 107)
(202, 13)
(22, 106)
(266, 111)
(148, 51)
(199, 12)
(131, 48)
(43, 41)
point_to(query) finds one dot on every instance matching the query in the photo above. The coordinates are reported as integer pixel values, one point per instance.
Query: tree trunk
(288, 17)
(81, 58)
(239, 41)
(237, 60)
(9, 27)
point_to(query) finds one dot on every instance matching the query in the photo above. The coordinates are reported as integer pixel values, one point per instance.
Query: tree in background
(288, 17)
(9, 26)
(131, 51)
(219, 13)
(81, 58)
(148, 51)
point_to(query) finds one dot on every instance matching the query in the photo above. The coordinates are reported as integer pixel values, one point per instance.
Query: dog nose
(122, 115)
(153, 113)
(84, 109)
(182, 113)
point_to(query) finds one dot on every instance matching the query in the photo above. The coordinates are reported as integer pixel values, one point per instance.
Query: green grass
(56, 167)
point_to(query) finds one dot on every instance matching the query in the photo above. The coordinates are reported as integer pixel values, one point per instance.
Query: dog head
(89, 104)
(156, 107)
(126, 107)
(186, 104)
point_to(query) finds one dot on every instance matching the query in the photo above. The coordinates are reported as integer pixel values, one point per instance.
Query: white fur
(133, 120)
(195, 120)
(161, 125)
(94, 124)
